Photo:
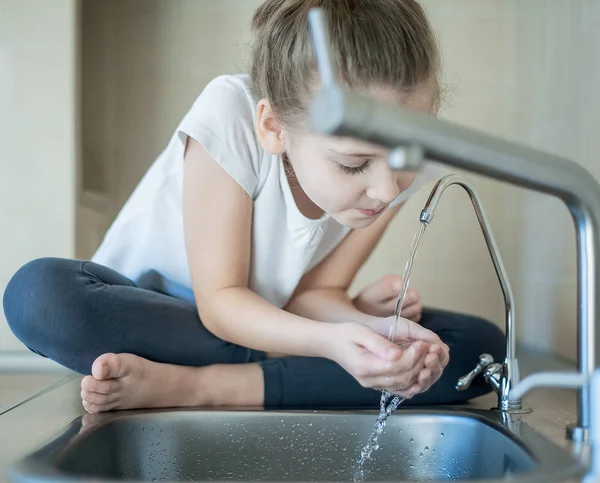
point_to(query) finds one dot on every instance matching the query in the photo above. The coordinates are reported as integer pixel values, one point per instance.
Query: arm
(217, 223)
(323, 292)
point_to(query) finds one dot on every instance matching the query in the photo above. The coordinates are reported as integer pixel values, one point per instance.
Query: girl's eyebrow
(354, 155)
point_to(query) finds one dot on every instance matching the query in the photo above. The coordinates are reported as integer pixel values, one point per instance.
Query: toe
(97, 398)
(86, 381)
(113, 366)
(107, 366)
(103, 387)
(97, 408)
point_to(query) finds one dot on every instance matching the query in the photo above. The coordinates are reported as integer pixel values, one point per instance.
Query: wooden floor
(17, 386)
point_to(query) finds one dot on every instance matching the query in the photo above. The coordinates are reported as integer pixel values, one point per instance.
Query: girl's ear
(269, 131)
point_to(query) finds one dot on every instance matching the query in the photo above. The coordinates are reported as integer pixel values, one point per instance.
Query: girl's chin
(353, 219)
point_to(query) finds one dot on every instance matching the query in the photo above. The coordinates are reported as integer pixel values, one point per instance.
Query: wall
(520, 70)
(144, 63)
(37, 135)
(527, 72)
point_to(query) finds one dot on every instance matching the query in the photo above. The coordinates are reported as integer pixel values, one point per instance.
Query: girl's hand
(379, 299)
(408, 333)
(378, 363)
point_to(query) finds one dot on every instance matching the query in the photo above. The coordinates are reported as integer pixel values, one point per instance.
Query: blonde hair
(374, 43)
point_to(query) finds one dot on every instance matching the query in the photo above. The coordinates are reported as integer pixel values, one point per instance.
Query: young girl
(223, 280)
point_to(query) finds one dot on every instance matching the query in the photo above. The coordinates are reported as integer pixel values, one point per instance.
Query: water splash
(388, 404)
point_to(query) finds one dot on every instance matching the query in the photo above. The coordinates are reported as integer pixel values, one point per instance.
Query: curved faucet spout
(510, 375)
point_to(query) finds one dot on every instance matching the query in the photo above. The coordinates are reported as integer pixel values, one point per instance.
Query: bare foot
(126, 381)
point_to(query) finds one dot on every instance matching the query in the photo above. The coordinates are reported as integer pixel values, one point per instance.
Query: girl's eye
(351, 170)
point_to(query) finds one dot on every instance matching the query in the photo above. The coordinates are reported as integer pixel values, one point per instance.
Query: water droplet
(420, 455)
(426, 448)
(412, 440)
(442, 435)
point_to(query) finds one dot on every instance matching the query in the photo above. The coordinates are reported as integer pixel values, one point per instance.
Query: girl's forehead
(421, 98)
(351, 146)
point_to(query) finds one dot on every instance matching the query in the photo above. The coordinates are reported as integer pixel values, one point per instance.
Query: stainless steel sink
(187, 445)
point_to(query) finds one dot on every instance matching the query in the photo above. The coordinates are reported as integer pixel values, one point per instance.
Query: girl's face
(350, 179)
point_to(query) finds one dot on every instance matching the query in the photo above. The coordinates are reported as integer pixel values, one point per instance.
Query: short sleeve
(429, 172)
(222, 120)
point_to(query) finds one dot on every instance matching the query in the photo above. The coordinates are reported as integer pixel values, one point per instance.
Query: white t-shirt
(146, 240)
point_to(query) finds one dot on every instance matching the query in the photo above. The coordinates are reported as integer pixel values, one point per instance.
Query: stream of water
(389, 401)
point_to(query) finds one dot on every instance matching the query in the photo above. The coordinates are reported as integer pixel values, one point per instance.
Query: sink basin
(188, 445)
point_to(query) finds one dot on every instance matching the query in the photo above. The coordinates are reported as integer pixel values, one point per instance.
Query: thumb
(380, 346)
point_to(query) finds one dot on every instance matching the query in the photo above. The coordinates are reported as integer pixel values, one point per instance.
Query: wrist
(323, 334)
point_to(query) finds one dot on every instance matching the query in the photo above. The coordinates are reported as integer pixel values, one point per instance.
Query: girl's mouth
(371, 212)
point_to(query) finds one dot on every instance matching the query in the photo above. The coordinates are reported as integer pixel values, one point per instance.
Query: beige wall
(520, 70)
(144, 62)
(37, 136)
(527, 72)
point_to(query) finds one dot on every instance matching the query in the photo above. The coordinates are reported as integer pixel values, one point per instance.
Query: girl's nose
(384, 185)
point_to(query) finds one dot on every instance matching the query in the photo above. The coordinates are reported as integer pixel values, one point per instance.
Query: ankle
(210, 390)
(233, 385)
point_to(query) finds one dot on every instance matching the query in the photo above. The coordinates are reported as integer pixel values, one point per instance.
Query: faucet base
(516, 410)
(578, 434)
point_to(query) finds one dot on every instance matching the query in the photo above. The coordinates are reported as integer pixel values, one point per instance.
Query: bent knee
(28, 295)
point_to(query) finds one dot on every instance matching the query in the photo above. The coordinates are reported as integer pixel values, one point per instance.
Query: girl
(223, 280)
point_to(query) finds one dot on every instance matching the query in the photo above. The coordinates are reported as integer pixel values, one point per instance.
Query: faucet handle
(465, 381)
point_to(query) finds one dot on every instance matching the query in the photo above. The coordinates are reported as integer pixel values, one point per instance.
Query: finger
(432, 360)
(432, 363)
(404, 372)
(414, 355)
(412, 297)
(372, 370)
(407, 329)
(411, 311)
(424, 379)
(412, 391)
(442, 352)
(379, 345)
(388, 306)
(405, 393)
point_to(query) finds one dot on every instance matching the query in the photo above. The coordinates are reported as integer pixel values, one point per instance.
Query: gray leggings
(73, 311)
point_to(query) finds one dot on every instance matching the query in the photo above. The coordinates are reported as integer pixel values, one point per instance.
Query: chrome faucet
(339, 112)
(502, 377)
(571, 380)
